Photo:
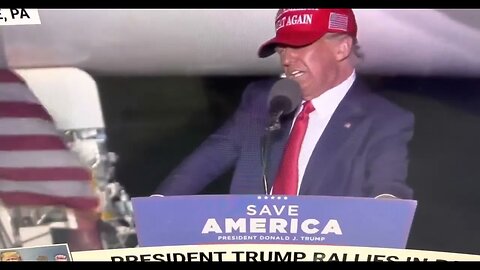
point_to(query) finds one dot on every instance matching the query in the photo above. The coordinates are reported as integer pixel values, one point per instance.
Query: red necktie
(286, 182)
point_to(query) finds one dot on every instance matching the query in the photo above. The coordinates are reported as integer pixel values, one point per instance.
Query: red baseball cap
(303, 26)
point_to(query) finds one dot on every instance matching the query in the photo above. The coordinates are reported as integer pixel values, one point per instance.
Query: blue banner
(260, 219)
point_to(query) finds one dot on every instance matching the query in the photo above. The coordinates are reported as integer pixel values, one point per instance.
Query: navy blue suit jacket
(363, 151)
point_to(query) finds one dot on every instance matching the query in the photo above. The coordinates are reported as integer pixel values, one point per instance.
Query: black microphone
(284, 97)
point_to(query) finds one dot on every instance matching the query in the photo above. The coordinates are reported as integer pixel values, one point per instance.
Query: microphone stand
(265, 142)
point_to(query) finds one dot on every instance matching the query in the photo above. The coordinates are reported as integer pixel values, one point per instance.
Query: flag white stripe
(53, 188)
(38, 159)
(27, 126)
(34, 167)
(16, 92)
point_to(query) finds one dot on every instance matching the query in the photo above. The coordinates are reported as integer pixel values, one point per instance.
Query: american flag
(36, 166)
(338, 21)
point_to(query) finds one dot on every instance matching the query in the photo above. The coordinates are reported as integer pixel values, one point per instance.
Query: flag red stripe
(31, 199)
(31, 142)
(45, 174)
(49, 178)
(8, 76)
(22, 109)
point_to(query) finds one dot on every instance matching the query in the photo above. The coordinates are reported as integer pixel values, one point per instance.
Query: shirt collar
(326, 103)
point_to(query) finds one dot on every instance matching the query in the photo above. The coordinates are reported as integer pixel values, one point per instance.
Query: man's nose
(288, 56)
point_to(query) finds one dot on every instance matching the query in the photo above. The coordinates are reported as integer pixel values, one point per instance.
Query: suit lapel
(344, 121)
(342, 124)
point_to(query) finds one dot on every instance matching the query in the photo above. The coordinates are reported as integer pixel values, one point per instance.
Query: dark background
(154, 122)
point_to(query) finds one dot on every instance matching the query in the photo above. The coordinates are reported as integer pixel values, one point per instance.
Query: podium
(262, 219)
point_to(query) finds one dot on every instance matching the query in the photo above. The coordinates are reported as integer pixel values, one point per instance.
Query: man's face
(11, 257)
(314, 67)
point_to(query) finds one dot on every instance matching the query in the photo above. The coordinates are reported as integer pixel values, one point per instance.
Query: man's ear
(344, 48)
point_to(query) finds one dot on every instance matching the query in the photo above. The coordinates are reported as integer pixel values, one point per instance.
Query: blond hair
(9, 255)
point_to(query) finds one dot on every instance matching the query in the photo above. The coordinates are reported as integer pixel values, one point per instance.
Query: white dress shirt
(325, 105)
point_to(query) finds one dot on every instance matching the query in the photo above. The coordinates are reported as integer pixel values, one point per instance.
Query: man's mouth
(296, 74)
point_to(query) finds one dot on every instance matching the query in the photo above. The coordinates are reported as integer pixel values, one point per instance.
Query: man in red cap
(343, 140)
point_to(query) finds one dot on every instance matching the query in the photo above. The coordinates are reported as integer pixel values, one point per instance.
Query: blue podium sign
(261, 219)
